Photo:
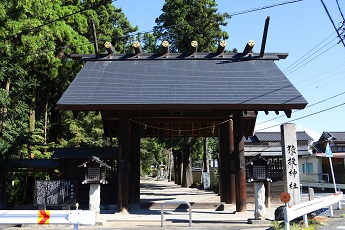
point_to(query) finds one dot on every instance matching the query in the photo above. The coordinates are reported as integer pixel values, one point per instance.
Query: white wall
(315, 176)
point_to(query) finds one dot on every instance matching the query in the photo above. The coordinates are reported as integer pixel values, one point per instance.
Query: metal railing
(302, 209)
(176, 202)
(69, 217)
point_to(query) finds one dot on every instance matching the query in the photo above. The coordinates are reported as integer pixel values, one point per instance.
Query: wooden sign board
(55, 192)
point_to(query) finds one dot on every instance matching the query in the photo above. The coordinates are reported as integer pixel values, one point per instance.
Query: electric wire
(293, 64)
(264, 7)
(308, 115)
(309, 81)
(290, 72)
(231, 14)
(330, 18)
(308, 106)
(341, 13)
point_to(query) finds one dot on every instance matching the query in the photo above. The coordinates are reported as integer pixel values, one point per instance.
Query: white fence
(302, 209)
(72, 217)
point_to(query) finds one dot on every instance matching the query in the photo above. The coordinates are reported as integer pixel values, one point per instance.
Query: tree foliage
(183, 21)
(36, 39)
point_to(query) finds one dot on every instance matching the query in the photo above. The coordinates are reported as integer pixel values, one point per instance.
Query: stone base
(259, 222)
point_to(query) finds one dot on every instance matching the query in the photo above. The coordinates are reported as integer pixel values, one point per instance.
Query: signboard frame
(55, 192)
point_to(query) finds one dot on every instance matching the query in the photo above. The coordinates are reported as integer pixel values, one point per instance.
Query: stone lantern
(95, 176)
(258, 173)
(258, 170)
(94, 171)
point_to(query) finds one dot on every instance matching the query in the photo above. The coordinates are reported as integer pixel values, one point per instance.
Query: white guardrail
(176, 202)
(72, 217)
(302, 209)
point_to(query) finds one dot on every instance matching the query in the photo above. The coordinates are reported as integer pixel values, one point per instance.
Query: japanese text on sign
(55, 192)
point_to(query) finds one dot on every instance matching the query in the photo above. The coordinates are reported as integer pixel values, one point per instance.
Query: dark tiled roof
(181, 84)
(335, 136)
(276, 136)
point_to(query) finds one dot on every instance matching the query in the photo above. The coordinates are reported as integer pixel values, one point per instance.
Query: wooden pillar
(232, 164)
(177, 167)
(123, 164)
(241, 194)
(135, 164)
(224, 144)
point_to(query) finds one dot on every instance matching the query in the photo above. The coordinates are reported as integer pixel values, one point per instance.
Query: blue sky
(315, 65)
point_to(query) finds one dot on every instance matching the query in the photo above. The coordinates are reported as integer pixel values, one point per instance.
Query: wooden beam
(249, 47)
(224, 147)
(95, 43)
(241, 194)
(221, 47)
(288, 113)
(123, 166)
(109, 47)
(193, 47)
(232, 164)
(178, 56)
(137, 47)
(165, 47)
(135, 163)
(264, 37)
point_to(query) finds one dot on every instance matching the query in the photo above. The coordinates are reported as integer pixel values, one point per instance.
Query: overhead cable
(330, 18)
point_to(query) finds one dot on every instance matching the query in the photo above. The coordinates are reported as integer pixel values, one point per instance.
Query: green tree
(151, 154)
(183, 21)
(36, 38)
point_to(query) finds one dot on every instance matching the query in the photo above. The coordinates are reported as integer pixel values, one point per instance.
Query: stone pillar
(290, 162)
(95, 199)
(260, 207)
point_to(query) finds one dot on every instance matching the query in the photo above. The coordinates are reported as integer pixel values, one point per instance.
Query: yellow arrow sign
(43, 216)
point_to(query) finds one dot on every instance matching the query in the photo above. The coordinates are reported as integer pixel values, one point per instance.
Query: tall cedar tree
(183, 21)
(36, 38)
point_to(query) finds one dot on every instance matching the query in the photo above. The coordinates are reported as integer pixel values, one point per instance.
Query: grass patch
(297, 225)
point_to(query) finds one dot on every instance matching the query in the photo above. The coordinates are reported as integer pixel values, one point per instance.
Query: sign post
(329, 154)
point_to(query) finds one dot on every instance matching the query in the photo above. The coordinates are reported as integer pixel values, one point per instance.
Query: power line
(231, 14)
(264, 7)
(291, 66)
(312, 114)
(314, 78)
(308, 106)
(330, 18)
(341, 13)
(311, 59)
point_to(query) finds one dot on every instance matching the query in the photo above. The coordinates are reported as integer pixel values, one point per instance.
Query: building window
(341, 149)
(307, 168)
